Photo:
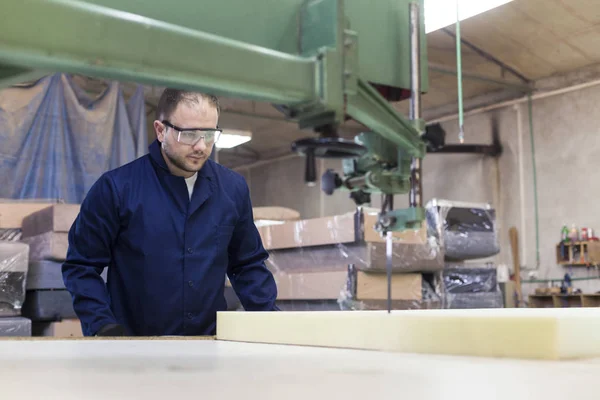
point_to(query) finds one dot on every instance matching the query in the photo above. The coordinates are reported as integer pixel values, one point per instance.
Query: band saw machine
(321, 62)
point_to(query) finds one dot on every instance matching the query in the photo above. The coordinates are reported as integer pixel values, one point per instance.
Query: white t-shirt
(190, 183)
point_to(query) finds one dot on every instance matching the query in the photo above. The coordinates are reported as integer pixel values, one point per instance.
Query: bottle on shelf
(564, 234)
(573, 234)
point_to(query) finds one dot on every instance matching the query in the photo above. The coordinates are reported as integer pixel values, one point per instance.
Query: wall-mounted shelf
(564, 300)
(578, 254)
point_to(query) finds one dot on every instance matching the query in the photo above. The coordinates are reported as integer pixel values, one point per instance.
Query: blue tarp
(56, 140)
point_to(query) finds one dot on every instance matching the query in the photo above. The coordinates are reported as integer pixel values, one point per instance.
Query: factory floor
(213, 369)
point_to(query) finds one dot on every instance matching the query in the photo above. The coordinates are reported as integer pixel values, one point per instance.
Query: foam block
(48, 305)
(513, 333)
(47, 274)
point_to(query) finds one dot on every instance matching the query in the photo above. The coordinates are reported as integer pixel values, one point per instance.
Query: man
(169, 226)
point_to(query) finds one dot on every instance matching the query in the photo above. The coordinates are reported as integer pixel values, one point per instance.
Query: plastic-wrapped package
(469, 287)
(14, 258)
(474, 300)
(461, 279)
(15, 327)
(335, 242)
(310, 258)
(467, 231)
(11, 234)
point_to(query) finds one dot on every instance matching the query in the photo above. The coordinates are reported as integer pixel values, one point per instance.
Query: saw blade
(388, 254)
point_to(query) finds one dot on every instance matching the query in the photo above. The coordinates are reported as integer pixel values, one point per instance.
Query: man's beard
(180, 163)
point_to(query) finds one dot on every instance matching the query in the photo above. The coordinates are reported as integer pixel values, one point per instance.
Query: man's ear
(159, 129)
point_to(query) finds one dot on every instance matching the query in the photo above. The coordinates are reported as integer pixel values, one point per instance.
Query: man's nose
(200, 145)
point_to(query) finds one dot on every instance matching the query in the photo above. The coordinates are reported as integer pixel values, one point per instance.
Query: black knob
(330, 181)
(360, 197)
(310, 173)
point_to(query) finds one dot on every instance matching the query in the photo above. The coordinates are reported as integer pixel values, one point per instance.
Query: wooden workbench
(174, 369)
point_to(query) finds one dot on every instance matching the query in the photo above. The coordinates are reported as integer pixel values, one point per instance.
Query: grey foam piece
(474, 300)
(233, 302)
(308, 305)
(471, 245)
(468, 230)
(15, 326)
(48, 305)
(47, 274)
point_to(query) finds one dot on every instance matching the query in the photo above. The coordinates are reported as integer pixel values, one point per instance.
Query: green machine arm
(321, 61)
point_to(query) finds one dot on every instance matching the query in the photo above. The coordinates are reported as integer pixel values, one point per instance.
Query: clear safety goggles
(191, 136)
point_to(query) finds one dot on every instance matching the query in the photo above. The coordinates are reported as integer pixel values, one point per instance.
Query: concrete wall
(566, 148)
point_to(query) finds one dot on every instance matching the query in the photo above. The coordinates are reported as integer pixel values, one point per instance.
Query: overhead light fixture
(442, 13)
(232, 138)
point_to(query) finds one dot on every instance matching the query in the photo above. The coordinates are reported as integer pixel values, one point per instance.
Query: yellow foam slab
(515, 333)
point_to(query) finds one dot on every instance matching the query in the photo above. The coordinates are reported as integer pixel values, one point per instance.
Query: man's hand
(111, 330)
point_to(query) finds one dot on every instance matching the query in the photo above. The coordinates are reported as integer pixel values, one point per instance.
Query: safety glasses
(191, 136)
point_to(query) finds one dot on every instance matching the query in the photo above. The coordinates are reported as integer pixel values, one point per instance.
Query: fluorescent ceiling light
(442, 13)
(231, 138)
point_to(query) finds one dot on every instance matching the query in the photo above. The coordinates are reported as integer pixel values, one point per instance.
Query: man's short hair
(171, 98)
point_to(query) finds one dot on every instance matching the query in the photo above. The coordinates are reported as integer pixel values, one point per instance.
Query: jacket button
(190, 315)
(190, 250)
(190, 283)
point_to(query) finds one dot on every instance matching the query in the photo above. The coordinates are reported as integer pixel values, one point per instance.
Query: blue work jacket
(167, 256)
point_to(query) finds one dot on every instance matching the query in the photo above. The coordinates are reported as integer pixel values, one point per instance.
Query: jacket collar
(156, 155)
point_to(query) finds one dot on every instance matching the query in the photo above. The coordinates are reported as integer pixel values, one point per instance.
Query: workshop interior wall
(566, 129)
(567, 172)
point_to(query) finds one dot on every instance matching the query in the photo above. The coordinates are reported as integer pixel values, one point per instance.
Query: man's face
(184, 159)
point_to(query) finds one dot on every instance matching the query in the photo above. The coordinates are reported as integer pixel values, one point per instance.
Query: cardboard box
(274, 214)
(63, 329)
(349, 239)
(48, 246)
(333, 285)
(12, 212)
(309, 232)
(56, 218)
(373, 286)
(326, 285)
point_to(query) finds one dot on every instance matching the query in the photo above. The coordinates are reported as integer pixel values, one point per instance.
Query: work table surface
(213, 369)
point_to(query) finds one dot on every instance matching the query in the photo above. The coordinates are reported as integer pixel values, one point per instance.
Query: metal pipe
(416, 185)
(478, 77)
(488, 57)
(487, 149)
(521, 162)
(508, 103)
(415, 63)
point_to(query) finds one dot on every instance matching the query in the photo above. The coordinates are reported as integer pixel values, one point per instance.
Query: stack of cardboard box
(48, 304)
(339, 262)
(14, 265)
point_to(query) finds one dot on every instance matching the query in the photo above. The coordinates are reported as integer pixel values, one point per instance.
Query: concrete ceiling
(536, 39)
(533, 39)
